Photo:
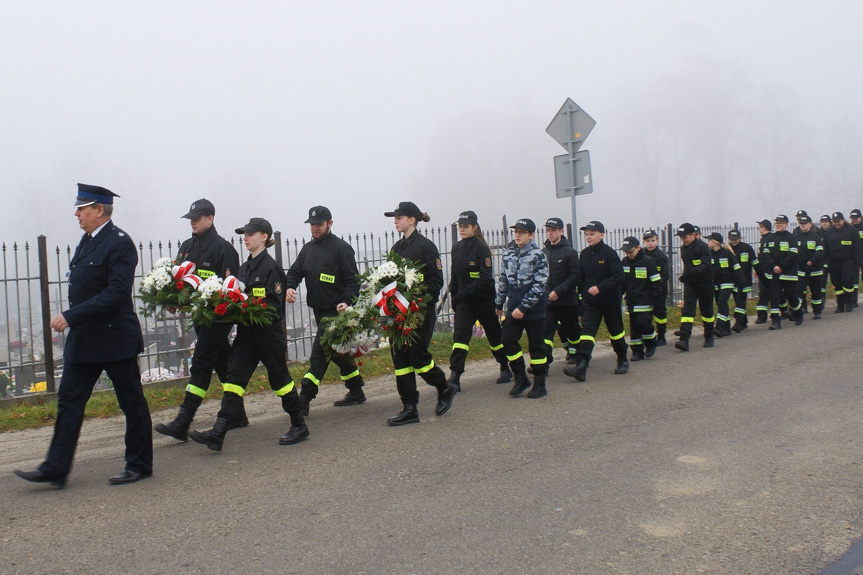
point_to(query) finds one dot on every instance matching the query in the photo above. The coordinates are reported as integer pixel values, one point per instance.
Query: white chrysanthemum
(210, 286)
(164, 263)
(161, 278)
(388, 270)
(411, 277)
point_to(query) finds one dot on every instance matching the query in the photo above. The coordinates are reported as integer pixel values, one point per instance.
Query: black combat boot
(578, 371)
(622, 365)
(816, 311)
(213, 438)
(445, 395)
(298, 431)
(637, 353)
(538, 390)
(455, 379)
(408, 414)
(798, 316)
(738, 326)
(660, 334)
(521, 383)
(650, 347)
(776, 322)
(505, 374)
(762, 317)
(708, 335)
(352, 397)
(682, 344)
(179, 428)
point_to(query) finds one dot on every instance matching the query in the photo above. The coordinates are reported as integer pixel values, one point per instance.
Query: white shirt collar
(99, 229)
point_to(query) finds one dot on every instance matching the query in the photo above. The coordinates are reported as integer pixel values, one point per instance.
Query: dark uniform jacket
(697, 264)
(600, 266)
(843, 244)
(726, 271)
(783, 253)
(101, 315)
(643, 283)
(810, 250)
(471, 277)
(662, 265)
(422, 250)
(264, 278)
(765, 266)
(211, 253)
(330, 270)
(748, 261)
(562, 273)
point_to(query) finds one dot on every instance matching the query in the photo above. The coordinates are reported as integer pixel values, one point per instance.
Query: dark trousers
(816, 295)
(211, 354)
(76, 386)
(641, 330)
(511, 333)
(700, 295)
(255, 345)
(783, 290)
(843, 276)
(660, 312)
(564, 320)
(763, 305)
(723, 312)
(466, 316)
(591, 317)
(416, 359)
(740, 297)
(318, 362)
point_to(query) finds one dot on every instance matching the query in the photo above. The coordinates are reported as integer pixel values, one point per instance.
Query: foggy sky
(731, 112)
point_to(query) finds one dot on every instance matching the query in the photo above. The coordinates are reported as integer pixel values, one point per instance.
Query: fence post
(47, 342)
(277, 237)
(668, 239)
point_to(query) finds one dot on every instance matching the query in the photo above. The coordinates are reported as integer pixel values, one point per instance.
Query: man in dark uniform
(810, 266)
(561, 308)
(697, 280)
(857, 222)
(328, 265)
(764, 271)
(104, 335)
(844, 251)
(748, 261)
(212, 255)
(783, 254)
(660, 312)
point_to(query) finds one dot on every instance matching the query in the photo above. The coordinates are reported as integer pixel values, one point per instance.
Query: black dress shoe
(408, 414)
(350, 398)
(37, 476)
(127, 476)
(444, 399)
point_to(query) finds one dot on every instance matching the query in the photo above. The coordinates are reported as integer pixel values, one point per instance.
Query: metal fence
(34, 290)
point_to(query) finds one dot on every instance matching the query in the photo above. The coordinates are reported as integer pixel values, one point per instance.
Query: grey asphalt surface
(746, 458)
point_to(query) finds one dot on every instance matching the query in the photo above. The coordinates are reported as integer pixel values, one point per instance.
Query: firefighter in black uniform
(212, 255)
(600, 283)
(263, 278)
(697, 280)
(748, 260)
(472, 292)
(561, 308)
(328, 265)
(810, 266)
(643, 289)
(726, 277)
(796, 233)
(764, 271)
(783, 253)
(416, 358)
(856, 217)
(844, 251)
(660, 312)
(826, 225)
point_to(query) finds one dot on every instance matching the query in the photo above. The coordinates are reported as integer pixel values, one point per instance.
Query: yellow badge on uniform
(259, 292)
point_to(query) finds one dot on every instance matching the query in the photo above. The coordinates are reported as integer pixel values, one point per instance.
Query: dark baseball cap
(467, 217)
(554, 223)
(524, 224)
(733, 234)
(781, 218)
(409, 209)
(256, 225)
(593, 226)
(202, 207)
(649, 234)
(716, 236)
(838, 216)
(696, 228)
(88, 195)
(319, 215)
(685, 229)
(855, 213)
(629, 244)
(825, 218)
(801, 213)
(765, 224)
(805, 220)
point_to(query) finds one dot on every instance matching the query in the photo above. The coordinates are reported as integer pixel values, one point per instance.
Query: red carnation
(419, 299)
(400, 318)
(222, 309)
(234, 296)
(414, 307)
(245, 305)
(264, 305)
(180, 284)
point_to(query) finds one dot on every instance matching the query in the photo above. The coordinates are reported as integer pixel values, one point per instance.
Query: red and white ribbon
(185, 272)
(387, 293)
(232, 284)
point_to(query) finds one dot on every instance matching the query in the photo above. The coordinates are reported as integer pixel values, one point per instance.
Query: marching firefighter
(856, 217)
(601, 284)
(212, 255)
(764, 271)
(328, 266)
(697, 280)
(726, 277)
(643, 291)
(660, 312)
(810, 272)
(561, 308)
(263, 278)
(521, 301)
(783, 254)
(472, 292)
(416, 358)
(748, 260)
(844, 251)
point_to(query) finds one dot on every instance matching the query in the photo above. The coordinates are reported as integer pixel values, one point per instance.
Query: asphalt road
(742, 459)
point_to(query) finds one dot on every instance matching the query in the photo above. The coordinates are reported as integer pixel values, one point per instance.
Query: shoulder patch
(278, 287)
(438, 264)
(488, 262)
